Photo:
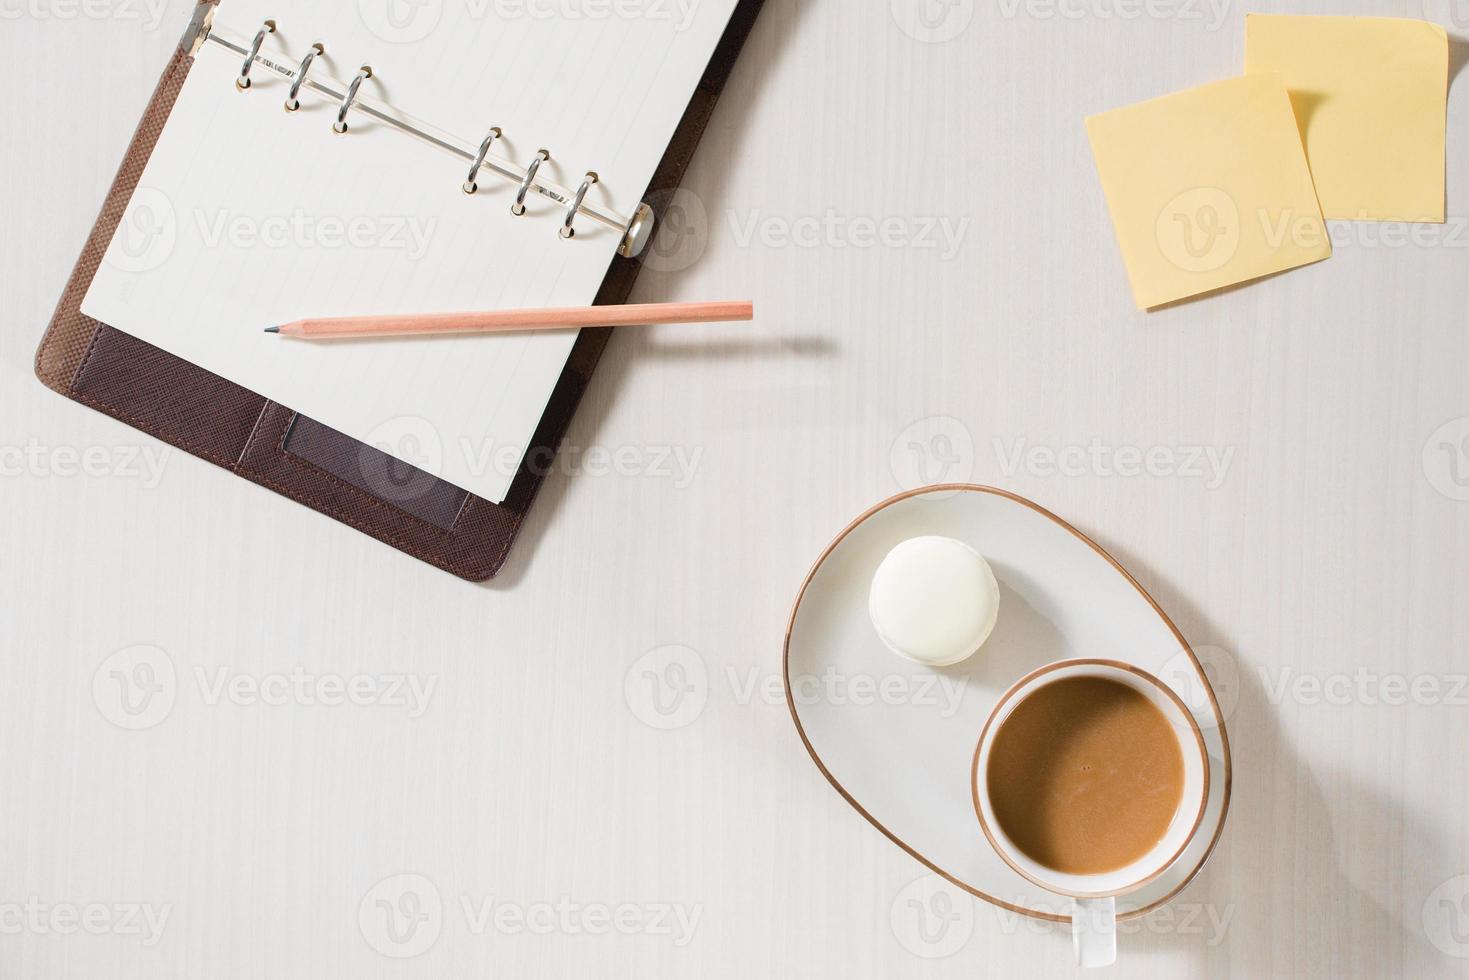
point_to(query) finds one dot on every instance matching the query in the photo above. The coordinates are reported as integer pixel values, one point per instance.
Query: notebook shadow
(1282, 856)
(766, 45)
(625, 348)
(691, 222)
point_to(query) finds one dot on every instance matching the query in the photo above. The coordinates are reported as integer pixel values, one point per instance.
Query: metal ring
(479, 161)
(340, 126)
(243, 82)
(542, 155)
(292, 102)
(575, 206)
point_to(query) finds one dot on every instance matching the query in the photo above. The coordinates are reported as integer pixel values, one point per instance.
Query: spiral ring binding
(292, 102)
(635, 231)
(572, 209)
(542, 155)
(340, 126)
(243, 82)
(470, 186)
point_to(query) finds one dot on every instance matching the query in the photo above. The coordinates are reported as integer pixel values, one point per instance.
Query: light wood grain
(1326, 548)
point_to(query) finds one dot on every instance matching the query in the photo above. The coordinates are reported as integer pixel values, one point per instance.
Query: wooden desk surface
(1284, 466)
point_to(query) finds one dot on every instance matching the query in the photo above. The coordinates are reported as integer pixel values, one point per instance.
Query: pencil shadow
(645, 347)
(1458, 57)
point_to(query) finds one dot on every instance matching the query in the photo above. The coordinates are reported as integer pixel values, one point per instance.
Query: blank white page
(248, 216)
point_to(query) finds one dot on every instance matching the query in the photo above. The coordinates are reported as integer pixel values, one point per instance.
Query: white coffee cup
(1094, 918)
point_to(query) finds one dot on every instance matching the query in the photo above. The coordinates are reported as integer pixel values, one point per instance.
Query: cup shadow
(1274, 897)
(1274, 893)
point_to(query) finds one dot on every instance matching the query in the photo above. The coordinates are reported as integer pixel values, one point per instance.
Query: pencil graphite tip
(272, 329)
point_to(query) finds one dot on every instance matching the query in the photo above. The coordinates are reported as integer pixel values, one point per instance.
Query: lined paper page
(600, 83)
(248, 216)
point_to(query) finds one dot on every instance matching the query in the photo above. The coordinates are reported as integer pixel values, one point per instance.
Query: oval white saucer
(897, 739)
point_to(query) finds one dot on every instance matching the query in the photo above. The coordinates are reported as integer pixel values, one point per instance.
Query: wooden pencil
(501, 321)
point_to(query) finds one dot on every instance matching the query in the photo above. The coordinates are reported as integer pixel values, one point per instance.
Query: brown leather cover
(269, 444)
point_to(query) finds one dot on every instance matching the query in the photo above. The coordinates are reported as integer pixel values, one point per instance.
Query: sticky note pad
(1371, 98)
(1208, 188)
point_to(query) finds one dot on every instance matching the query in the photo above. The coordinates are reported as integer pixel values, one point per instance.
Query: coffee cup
(1089, 780)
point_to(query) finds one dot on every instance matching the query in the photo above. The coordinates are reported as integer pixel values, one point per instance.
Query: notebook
(248, 216)
(229, 214)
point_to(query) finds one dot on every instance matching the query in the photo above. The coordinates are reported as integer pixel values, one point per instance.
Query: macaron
(934, 600)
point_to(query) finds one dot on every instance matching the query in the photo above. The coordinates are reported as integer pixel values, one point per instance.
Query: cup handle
(1094, 932)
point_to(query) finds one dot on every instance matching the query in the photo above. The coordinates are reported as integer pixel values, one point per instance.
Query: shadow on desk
(1284, 886)
(766, 45)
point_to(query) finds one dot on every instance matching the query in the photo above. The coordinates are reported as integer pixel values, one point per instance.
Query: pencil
(501, 321)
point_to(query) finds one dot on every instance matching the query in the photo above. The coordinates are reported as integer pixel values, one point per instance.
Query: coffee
(1085, 775)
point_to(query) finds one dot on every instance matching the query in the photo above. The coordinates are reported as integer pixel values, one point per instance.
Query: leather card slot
(374, 472)
(167, 396)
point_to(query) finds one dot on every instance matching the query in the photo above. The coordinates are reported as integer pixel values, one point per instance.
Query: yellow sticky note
(1208, 188)
(1371, 98)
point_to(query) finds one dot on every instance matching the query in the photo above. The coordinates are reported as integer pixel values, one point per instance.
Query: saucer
(896, 739)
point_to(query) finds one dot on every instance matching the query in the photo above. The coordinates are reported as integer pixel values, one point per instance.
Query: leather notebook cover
(269, 444)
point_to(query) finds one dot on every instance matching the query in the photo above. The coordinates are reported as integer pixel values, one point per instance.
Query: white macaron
(934, 600)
